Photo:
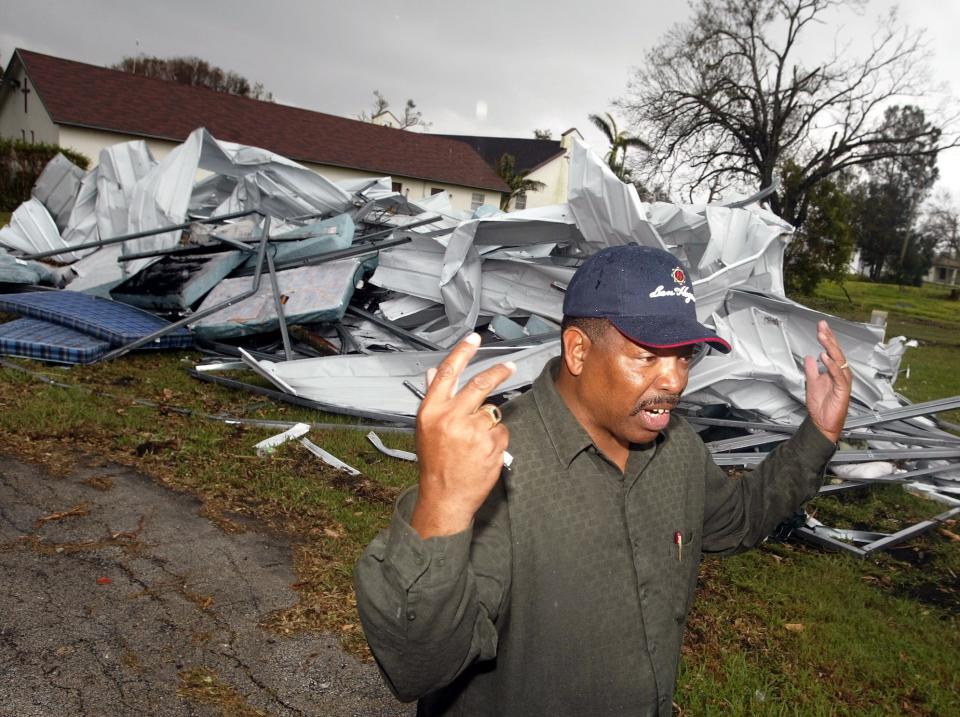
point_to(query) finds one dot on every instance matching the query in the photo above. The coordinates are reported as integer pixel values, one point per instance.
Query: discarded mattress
(111, 321)
(35, 339)
(18, 271)
(178, 281)
(311, 294)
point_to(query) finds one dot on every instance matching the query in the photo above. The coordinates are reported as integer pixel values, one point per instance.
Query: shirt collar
(567, 435)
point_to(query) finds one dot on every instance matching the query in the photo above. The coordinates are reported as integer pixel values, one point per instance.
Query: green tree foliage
(889, 199)
(726, 100)
(915, 260)
(195, 72)
(543, 134)
(20, 165)
(822, 247)
(517, 181)
(620, 143)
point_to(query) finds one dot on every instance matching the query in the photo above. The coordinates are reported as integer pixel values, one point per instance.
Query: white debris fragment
(392, 452)
(328, 458)
(269, 445)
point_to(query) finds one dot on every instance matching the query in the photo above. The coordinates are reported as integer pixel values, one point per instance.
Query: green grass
(923, 313)
(869, 637)
(5, 218)
(786, 631)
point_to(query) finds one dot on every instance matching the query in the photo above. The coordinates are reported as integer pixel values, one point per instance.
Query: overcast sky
(500, 67)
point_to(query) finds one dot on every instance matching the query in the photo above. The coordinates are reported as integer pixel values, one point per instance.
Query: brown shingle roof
(82, 95)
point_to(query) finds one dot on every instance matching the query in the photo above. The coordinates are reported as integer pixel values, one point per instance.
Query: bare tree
(725, 100)
(412, 117)
(942, 223)
(543, 134)
(195, 72)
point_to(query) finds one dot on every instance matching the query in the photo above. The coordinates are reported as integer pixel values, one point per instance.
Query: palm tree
(620, 142)
(517, 181)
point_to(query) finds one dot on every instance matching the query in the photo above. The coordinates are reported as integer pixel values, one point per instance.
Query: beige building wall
(32, 125)
(89, 142)
(555, 174)
(461, 198)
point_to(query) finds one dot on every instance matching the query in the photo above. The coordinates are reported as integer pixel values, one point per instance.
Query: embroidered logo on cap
(678, 276)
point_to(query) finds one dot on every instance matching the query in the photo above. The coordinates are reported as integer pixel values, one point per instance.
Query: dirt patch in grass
(201, 685)
(364, 488)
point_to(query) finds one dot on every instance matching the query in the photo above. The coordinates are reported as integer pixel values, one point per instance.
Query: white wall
(35, 124)
(89, 142)
(460, 196)
(555, 174)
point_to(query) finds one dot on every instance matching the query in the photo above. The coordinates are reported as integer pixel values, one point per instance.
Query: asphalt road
(104, 613)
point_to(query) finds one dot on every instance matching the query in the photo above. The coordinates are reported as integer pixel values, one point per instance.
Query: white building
(87, 108)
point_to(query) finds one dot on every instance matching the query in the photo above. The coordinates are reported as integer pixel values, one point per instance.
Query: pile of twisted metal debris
(340, 295)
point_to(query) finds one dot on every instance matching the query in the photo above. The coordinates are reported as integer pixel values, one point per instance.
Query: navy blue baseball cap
(645, 292)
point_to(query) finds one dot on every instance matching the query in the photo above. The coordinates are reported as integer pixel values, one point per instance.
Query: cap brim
(665, 332)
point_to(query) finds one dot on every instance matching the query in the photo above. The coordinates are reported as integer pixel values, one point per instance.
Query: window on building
(520, 202)
(397, 187)
(476, 200)
(435, 190)
(941, 273)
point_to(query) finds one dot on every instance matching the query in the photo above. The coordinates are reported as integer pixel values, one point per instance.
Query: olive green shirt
(569, 593)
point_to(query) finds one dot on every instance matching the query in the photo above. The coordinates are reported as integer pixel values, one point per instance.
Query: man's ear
(576, 346)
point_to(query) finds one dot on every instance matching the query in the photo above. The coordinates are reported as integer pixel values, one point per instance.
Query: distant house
(544, 160)
(944, 270)
(87, 108)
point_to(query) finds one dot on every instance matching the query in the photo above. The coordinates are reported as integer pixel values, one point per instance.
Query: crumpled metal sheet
(769, 337)
(121, 167)
(32, 230)
(607, 212)
(375, 381)
(56, 188)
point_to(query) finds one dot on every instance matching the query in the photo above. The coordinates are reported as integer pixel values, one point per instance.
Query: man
(561, 585)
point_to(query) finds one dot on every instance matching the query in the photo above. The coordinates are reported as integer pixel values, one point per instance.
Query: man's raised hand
(460, 445)
(828, 393)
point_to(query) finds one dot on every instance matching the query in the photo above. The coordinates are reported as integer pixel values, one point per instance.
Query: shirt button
(411, 615)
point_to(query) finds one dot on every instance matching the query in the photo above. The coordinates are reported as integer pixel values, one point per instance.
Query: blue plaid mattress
(114, 322)
(32, 338)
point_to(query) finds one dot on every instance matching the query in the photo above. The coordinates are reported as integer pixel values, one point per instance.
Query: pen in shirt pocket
(507, 456)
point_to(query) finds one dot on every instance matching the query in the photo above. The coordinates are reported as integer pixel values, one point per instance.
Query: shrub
(20, 165)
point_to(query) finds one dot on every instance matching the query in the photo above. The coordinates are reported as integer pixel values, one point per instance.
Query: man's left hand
(828, 393)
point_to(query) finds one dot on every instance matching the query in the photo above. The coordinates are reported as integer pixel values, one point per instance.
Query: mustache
(661, 399)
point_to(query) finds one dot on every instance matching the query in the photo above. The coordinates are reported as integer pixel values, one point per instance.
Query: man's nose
(673, 374)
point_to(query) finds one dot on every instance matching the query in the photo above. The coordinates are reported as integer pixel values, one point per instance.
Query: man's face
(628, 390)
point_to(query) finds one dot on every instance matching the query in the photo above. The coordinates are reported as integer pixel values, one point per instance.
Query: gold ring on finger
(844, 365)
(493, 412)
